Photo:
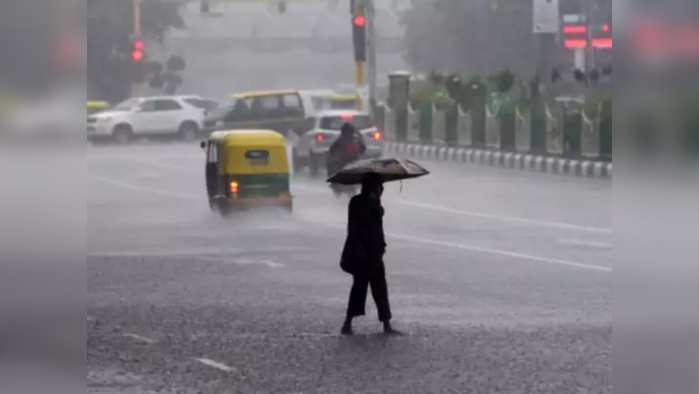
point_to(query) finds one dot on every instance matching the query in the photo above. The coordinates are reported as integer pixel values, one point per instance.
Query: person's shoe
(389, 330)
(347, 329)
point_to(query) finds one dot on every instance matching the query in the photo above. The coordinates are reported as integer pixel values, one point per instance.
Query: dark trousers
(376, 278)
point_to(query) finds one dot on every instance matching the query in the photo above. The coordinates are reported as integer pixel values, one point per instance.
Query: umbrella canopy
(389, 170)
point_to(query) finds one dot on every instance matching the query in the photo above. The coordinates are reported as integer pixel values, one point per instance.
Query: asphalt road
(501, 280)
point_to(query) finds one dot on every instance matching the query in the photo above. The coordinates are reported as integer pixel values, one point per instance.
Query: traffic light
(138, 51)
(359, 38)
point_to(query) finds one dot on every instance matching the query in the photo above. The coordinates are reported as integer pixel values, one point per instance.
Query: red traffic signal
(137, 54)
(360, 21)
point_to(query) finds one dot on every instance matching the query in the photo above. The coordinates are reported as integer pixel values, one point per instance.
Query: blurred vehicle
(319, 133)
(310, 99)
(336, 102)
(50, 118)
(282, 111)
(247, 169)
(207, 105)
(94, 107)
(164, 116)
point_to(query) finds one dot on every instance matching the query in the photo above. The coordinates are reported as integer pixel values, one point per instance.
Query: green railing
(558, 129)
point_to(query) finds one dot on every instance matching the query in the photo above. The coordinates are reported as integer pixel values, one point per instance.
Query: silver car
(319, 132)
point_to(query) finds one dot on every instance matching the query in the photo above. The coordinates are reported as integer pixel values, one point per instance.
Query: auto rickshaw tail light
(234, 187)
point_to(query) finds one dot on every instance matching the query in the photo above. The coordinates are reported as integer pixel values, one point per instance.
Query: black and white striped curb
(515, 161)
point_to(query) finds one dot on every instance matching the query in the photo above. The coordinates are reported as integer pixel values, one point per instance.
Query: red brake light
(320, 137)
(378, 136)
(347, 117)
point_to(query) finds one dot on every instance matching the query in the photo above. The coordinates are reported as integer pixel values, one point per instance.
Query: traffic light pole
(371, 52)
(135, 88)
(359, 11)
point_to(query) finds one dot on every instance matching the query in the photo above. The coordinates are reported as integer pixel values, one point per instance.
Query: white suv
(180, 116)
(320, 132)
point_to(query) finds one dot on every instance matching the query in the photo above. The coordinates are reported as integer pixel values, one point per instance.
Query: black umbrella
(389, 170)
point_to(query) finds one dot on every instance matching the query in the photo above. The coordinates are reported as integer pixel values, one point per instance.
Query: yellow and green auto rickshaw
(247, 169)
(94, 107)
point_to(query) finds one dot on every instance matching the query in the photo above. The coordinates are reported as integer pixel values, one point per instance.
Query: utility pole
(546, 28)
(135, 88)
(372, 64)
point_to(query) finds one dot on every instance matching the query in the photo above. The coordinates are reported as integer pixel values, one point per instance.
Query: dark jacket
(344, 150)
(366, 242)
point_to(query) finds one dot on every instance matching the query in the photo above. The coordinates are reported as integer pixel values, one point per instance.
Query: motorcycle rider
(346, 149)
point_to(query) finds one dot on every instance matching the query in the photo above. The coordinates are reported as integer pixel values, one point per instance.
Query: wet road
(503, 282)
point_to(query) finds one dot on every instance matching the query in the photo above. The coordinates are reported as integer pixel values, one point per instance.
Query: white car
(180, 116)
(320, 132)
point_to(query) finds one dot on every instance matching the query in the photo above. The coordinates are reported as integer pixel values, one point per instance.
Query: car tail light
(320, 137)
(377, 136)
(234, 187)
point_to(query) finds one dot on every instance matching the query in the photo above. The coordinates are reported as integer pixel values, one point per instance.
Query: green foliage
(503, 82)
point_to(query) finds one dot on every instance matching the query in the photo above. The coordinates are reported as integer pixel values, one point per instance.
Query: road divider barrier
(558, 138)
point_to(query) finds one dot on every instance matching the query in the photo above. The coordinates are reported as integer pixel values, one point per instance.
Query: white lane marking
(139, 338)
(194, 252)
(272, 264)
(215, 365)
(530, 222)
(503, 253)
(496, 252)
(417, 239)
(480, 215)
(268, 263)
(162, 165)
(129, 186)
(585, 244)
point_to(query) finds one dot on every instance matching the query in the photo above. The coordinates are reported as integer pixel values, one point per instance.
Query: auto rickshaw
(94, 107)
(247, 169)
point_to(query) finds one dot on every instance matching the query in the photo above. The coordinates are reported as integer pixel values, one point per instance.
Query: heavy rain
(356, 196)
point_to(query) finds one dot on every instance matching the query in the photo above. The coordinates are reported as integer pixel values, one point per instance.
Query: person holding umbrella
(363, 254)
(365, 246)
